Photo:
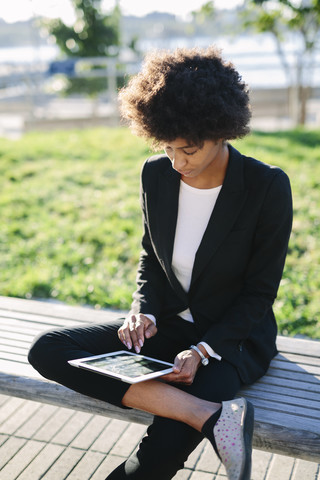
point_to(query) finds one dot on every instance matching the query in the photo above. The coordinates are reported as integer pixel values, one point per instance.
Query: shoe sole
(247, 440)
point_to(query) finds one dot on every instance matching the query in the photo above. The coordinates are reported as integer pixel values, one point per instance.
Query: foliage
(71, 216)
(299, 17)
(71, 221)
(297, 152)
(92, 35)
(205, 12)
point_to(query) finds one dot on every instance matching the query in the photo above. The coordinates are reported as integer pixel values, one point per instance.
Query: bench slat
(56, 310)
(300, 359)
(285, 395)
(18, 336)
(298, 345)
(15, 357)
(294, 384)
(22, 369)
(39, 320)
(294, 375)
(8, 322)
(12, 349)
(275, 437)
(14, 342)
(296, 367)
(276, 403)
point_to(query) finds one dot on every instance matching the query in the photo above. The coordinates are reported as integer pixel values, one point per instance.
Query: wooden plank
(298, 345)
(283, 440)
(286, 396)
(277, 404)
(294, 375)
(40, 320)
(16, 324)
(300, 359)
(285, 344)
(295, 367)
(15, 342)
(12, 349)
(14, 357)
(267, 380)
(53, 309)
(301, 393)
(24, 329)
(286, 420)
(22, 369)
(42, 390)
(299, 414)
(18, 336)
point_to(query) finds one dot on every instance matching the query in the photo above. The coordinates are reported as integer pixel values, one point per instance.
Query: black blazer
(238, 265)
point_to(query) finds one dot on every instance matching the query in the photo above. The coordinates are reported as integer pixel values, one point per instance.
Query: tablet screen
(124, 365)
(128, 365)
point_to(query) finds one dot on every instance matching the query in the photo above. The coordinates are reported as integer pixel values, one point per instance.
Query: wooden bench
(286, 399)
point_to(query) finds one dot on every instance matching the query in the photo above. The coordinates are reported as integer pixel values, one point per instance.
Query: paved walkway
(39, 441)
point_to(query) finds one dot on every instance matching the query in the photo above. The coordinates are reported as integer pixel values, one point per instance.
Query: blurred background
(62, 61)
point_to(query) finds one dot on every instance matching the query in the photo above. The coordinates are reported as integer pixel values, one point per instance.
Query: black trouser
(168, 443)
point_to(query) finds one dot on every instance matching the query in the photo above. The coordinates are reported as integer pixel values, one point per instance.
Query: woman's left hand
(185, 368)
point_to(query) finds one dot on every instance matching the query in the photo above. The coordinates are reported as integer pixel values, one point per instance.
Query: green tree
(92, 35)
(281, 17)
(205, 12)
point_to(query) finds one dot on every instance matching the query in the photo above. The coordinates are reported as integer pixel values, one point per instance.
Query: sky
(15, 10)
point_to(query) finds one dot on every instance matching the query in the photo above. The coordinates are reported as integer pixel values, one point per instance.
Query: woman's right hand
(135, 330)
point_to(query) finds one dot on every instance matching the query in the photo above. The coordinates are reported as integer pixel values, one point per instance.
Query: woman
(216, 230)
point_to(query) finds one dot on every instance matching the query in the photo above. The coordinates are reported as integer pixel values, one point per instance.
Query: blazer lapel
(229, 203)
(167, 213)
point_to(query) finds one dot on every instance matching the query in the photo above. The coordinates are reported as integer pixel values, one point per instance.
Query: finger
(150, 331)
(127, 338)
(187, 368)
(189, 371)
(139, 329)
(134, 340)
(177, 378)
(124, 331)
(169, 377)
(178, 364)
(121, 335)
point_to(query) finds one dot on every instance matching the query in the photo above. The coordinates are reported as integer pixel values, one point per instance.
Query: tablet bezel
(82, 363)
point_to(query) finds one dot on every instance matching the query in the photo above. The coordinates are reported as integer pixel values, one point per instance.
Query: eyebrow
(181, 148)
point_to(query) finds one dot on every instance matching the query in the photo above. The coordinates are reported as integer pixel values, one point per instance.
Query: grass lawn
(71, 222)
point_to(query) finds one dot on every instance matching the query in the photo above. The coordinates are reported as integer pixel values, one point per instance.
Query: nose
(178, 160)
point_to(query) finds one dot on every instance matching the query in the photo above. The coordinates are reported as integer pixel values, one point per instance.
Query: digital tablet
(126, 366)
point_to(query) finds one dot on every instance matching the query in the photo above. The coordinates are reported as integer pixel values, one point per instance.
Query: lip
(184, 174)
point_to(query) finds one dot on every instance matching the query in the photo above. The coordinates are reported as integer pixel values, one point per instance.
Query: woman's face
(191, 160)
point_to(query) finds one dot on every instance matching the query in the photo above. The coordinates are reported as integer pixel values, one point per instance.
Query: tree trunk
(305, 93)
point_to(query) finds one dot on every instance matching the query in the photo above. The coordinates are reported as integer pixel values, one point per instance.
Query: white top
(195, 209)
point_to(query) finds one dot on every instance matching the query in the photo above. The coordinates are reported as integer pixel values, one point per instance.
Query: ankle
(208, 426)
(212, 409)
(204, 411)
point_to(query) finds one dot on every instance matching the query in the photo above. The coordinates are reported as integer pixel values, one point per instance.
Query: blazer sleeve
(151, 277)
(263, 272)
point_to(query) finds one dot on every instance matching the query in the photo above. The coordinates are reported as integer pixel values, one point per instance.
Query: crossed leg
(180, 410)
(169, 441)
